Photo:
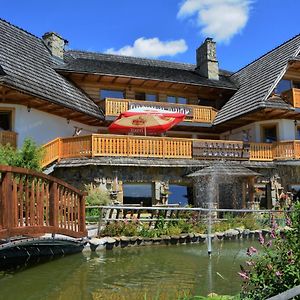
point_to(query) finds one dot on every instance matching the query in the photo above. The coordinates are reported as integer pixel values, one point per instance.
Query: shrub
(174, 230)
(277, 268)
(113, 229)
(28, 156)
(96, 195)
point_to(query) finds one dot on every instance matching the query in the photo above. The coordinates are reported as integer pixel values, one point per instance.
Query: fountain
(208, 182)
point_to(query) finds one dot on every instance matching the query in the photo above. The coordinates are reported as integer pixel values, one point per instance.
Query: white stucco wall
(237, 134)
(285, 130)
(43, 127)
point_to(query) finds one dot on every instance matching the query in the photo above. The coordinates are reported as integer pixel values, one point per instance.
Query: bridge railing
(32, 203)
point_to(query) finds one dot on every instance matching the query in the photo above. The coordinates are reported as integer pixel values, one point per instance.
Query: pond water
(159, 272)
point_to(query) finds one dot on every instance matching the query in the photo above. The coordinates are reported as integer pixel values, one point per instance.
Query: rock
(87, 249)
(231, 233)
(95, 242)
(110, 240)
(174, 239)
(156, 240)
(147, 241)
(191, 235)
(202, 237)
(246, 232)
(219, 235)
(124, 239)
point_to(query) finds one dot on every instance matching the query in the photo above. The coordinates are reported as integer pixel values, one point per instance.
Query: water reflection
(131, 273)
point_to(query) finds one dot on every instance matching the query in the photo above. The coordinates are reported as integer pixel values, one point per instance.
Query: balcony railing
(8, 137)
(166, 147)
(293, 97)
(194, 113)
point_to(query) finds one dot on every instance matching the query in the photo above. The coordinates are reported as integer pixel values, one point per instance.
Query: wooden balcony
(293, 97)
(8, 137)
(166, 147)
(195, 113)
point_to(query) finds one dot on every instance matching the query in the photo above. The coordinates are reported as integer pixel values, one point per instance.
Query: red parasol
(145, 121)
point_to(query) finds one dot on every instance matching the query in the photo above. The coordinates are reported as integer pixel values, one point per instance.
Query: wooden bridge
(33, 204)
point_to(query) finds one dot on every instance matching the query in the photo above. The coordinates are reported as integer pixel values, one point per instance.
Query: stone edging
(109, 243)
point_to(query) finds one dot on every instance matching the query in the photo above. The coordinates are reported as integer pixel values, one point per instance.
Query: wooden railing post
(7, 203)
(59, 149)
(82, 227)
(53, 205)
(92, 146)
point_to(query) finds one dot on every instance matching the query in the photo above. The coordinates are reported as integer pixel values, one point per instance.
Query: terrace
(113, 107)
(166, 147)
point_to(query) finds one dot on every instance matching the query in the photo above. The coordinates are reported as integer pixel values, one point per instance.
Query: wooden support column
(82, 227)
(251, 189)
(129, 93)
(244, 193)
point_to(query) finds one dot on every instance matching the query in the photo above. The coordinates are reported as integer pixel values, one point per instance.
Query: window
(181, 100)
(298, 133)
(137, 193)
(282, 86)
(269, 133)
(140, 96)
(171, 99)
(174, 99)
(151, 97)
(6, 120)
(178, 195)
(111, 94)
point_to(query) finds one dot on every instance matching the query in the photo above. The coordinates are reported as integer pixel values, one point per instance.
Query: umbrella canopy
(145, 121)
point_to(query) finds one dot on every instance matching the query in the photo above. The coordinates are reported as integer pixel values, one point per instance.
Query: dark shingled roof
(224, 169)
(257, 81)
(28, 66)
(116, 65)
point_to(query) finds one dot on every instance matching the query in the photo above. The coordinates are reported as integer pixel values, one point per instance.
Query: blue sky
(164, 29)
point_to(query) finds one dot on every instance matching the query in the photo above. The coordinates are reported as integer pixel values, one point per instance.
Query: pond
(132, 273)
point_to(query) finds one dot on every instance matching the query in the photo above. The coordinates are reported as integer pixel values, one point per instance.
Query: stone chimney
(207, 64)
(55, 43)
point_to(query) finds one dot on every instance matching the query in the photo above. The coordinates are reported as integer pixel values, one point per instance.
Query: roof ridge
(133, 57)
(297, 35)
(19, 28)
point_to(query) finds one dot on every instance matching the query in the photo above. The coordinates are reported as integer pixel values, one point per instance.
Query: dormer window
(282, 86)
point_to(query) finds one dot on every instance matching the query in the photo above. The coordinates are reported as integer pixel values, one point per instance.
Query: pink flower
(250, 263)
(273, 234)
(261, 239)
(288, 221)
(278, 273)
(290, 253)
(251, 250)
(244, 275)
(269, 244)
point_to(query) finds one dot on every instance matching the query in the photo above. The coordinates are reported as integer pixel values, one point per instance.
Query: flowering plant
(276, 267)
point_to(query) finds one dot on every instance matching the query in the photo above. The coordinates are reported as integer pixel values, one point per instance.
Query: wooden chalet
(66, 99)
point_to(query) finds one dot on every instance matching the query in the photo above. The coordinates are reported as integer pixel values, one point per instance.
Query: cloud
(152, 47)
(219, 19)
